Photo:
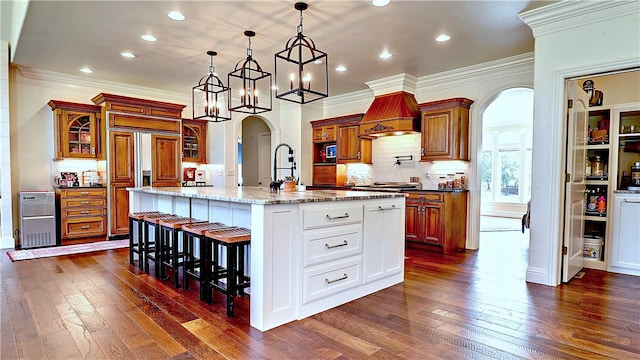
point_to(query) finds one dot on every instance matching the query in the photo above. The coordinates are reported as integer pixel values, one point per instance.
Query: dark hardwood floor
(470, 305)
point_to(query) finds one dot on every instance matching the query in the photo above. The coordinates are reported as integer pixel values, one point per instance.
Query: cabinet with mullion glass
(194, 139)
(77, 130)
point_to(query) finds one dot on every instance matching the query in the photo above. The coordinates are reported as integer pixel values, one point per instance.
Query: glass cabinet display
(77, 130)
(194, 140)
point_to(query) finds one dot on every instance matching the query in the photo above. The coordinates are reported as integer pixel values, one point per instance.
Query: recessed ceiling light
(86, 70)
(175, 15)
(443, 37)
(341, 68)
(380, 2)
(385, 54)
(128, 54)
(149, 37)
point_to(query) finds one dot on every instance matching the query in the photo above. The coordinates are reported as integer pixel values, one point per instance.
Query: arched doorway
(254, 152)
(506, 169)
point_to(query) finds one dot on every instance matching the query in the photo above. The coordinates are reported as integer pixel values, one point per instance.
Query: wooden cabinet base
(436, 220)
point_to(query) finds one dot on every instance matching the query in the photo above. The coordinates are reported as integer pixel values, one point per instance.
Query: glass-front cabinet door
(194, 141)
(77, 133)
(78, 137)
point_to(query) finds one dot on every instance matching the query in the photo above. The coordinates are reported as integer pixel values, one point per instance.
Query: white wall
(571, 39)
(6, 220)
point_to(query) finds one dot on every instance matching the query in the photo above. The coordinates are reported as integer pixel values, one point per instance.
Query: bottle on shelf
(588, 167)
(602, 204)
(597, 167)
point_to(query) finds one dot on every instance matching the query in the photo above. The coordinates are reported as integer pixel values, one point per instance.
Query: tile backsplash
(385, 167)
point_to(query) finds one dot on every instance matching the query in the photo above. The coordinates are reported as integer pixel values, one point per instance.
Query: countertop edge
(262, 196)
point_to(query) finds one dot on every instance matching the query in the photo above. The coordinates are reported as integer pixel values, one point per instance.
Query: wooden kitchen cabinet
(194, 141)
(325, 133)
(436, 220)
(341, 131)
(445, 129)
(82, 212)
(77, 130)
(352, 148)
(127, 121)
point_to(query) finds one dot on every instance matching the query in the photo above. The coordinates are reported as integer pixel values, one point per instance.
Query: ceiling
(65, 36)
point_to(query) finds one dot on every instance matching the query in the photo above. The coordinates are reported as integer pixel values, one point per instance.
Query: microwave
(330, 151)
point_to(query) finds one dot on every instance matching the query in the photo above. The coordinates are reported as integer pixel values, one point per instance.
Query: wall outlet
(230, 172)
(427, 173)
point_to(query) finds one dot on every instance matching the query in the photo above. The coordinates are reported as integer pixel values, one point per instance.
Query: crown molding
(400, 82)
(37, 77)
(518, 64)
(569, 14)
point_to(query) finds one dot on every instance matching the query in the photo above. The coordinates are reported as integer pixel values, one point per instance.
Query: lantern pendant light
(209, 97)
(251, 86)
(301, 70)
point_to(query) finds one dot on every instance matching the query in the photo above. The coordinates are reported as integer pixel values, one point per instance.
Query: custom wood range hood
(391, 114)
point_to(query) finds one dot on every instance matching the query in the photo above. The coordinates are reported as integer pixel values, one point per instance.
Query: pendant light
(251, 86)
(301, 70)
(209, 97)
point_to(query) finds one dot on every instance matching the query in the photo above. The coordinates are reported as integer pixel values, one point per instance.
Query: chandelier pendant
(209, 97)
(301, 69)
(250, 84)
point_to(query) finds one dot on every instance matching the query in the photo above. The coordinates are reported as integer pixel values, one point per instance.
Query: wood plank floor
(470, 305)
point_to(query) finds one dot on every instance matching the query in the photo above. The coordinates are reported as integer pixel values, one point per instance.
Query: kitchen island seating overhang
(310, 250)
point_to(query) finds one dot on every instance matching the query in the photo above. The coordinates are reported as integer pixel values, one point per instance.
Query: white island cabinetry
(624, 256)
(310, 251)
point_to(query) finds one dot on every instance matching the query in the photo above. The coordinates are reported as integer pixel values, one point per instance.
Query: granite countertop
(263, 196)
(626, 192)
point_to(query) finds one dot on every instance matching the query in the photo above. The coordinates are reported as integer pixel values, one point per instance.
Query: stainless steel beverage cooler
(37, 219)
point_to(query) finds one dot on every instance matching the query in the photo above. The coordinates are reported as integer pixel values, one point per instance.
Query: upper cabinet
(445, 129)
(194, 141)
(351, 147)
(324, 133)
(78, 130)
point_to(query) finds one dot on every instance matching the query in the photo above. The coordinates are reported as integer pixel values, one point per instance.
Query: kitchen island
(310, 250)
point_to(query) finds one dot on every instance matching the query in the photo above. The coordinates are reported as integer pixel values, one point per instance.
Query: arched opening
(507, 134)
(254, 152)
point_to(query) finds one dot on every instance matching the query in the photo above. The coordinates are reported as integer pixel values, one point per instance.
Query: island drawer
(332, 278)
(326, 216)
(323, 245)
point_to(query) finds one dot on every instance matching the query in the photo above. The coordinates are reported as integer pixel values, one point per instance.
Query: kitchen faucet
(292, 161)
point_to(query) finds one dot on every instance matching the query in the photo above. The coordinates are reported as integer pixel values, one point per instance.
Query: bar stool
(136, 243)
(172, 255)
(152, 248)
(193, 265)
(234, 241)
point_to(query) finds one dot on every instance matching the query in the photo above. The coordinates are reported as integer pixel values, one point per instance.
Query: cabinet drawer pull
(85, 226)
(329, 217)
(84, 202)
(344, 243)
(84, 193)
(631, 201)
(393, 207)
(344, 277)
(84, 211)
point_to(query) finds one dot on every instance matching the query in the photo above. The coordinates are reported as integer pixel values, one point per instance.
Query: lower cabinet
(437, 220)
(332, 250)
(624, 253)
(383, 229)
(82, 212)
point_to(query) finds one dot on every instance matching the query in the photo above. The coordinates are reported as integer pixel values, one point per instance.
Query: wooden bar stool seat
(172, 253)
(234, 241)
(152, 247)
(195, 261)
(136, 237)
